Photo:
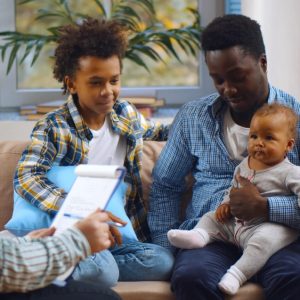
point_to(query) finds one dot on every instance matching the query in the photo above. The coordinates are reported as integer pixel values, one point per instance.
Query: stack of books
(145, 105)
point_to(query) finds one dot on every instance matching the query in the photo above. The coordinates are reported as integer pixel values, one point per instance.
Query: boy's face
(97, 84)
(269, 139)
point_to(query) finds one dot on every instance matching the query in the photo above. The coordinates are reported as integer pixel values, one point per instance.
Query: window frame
(12, 98)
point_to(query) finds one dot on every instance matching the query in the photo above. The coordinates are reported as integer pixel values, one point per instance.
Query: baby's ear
(290, 145)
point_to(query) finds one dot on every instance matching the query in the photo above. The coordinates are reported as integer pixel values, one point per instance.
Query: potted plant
(148, 37)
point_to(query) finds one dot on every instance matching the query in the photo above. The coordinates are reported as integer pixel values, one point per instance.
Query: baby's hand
(223, 213)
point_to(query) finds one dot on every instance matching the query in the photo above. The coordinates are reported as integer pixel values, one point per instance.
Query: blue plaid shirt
(196, 145)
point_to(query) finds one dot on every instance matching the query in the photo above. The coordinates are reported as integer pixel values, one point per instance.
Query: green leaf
(12, 57)
(25, 1)
(102, 9)
(28, 49)
(38, 48)
(3, 52)
(148, 51)
(147, 5)
(135, 58)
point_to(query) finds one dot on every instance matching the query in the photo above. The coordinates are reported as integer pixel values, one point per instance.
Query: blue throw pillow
(27, 217)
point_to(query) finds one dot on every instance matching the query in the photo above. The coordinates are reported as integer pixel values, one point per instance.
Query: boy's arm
(155, 131)
(30, 180)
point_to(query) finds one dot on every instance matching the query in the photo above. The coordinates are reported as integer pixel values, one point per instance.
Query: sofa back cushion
(10, 153)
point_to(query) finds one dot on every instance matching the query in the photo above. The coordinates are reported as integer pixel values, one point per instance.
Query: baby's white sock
(188, 239)
(232, 281)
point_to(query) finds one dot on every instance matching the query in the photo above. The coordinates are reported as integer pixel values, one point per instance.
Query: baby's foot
(232, 281)
(188, 239)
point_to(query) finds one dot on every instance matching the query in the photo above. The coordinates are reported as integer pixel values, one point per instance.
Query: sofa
(10, 152)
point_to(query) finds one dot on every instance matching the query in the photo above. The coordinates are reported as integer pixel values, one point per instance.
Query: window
(25, 85)
(233, 6)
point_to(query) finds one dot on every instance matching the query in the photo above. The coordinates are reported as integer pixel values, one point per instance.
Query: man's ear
(70, 85)
(263, 62)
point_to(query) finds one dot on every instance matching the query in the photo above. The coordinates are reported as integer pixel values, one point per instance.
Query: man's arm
(286, 210)
(35, 263)
(246, 203)
(174, 163)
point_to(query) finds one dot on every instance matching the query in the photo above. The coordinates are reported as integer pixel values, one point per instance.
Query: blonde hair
(291, 118)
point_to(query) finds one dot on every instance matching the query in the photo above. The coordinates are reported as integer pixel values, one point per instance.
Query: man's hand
(115, 235)
(96, 230)
(246, 202)
(223, 213)
(41, 233)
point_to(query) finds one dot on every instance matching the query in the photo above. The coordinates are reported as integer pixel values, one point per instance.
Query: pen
(78, 217)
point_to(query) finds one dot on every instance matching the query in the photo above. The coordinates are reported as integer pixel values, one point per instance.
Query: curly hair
(291, 118)
(100, 38)
(233, 30)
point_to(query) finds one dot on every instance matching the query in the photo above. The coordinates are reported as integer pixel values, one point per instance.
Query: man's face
(239, 78)
(97, 84)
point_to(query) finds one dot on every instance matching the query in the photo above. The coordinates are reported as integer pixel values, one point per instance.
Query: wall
(15, 130)
(280, 23)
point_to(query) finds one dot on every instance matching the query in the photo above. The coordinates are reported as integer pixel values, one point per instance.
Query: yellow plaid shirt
(62, 138)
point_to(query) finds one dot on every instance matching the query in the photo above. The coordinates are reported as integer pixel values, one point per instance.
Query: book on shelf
(27, 110)
(46, 107)
(146, 105)
(140, 100)
(93, 188)
(34, 117)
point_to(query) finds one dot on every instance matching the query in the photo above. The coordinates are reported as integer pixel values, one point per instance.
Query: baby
(272, 135)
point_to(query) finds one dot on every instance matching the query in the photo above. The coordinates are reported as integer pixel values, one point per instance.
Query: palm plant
(148, 37)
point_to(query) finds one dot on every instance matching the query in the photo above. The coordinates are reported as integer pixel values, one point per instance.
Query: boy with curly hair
(94, 126)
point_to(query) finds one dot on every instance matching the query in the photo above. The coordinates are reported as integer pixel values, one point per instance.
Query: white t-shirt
(235, 137)
(107, 147)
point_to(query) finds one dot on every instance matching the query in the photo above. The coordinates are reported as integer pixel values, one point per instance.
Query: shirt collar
(272, 94)
(81, 127)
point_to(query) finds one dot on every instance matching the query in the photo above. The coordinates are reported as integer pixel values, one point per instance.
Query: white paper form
(88, 193)
(92, 189)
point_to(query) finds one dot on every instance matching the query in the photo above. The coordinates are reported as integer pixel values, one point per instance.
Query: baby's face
(269, 139)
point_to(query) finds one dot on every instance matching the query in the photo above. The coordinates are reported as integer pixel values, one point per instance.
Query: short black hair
(233, 30)
(93, 37)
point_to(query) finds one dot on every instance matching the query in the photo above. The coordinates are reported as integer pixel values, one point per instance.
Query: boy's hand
(115, 235)
(223, 213)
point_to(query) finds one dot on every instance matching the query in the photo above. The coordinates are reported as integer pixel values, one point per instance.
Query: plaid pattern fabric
(196, 145)
(62, 138)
